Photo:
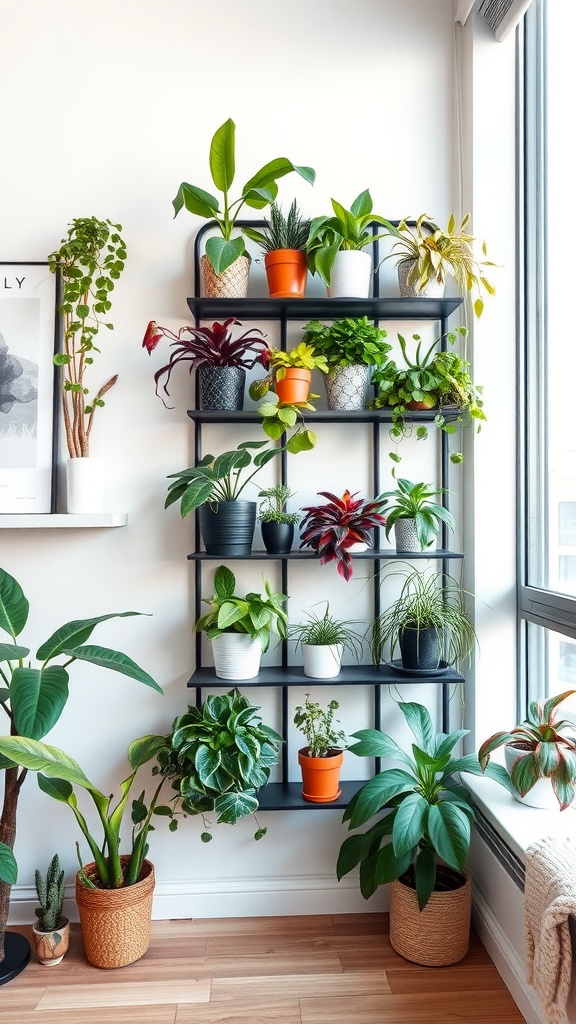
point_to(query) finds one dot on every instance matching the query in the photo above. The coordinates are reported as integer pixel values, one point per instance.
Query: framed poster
(28, 392)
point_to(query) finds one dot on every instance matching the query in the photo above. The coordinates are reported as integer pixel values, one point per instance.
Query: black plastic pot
(277, 537)
(420, 648)
(227, 528)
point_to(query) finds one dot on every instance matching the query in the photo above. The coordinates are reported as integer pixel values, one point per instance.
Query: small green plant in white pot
(241, 628)
(415, 518)
(323, 640)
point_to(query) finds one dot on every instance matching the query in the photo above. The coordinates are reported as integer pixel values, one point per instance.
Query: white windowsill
(518, 824)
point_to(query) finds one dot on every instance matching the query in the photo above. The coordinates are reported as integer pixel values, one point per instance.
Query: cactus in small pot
(51, 931)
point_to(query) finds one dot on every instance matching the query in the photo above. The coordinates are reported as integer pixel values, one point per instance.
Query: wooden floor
(336, 969)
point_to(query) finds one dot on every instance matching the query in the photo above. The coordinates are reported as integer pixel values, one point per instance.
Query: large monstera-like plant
(33, 698)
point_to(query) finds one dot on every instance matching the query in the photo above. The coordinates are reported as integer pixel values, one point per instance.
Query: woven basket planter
(437, 936)
(232, 284)
(116, 922)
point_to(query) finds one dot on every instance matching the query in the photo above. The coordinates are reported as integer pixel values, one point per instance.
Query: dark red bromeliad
(332, 529)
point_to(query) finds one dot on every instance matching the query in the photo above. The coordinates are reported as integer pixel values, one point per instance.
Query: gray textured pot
(221, 387)
(346, 387)
(431, 290)
(406, 536)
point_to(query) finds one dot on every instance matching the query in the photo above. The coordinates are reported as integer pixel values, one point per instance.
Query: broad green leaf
(8, 865)
(37, 698)
(144, 749)
(115, 660)
(410, 823)
(41, 757)
(378, 792)
(450, 831)
(425, 872)
(222, 156)
(11, 652)
(222, 254)
(373, 743)
(420, 722)
(207, 763)
(232, 806)
(13, 605)
(224, 582)
(195, 495)
(196, 200)
(73, 633)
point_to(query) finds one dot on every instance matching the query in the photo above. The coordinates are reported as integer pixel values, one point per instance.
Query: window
(547, 564)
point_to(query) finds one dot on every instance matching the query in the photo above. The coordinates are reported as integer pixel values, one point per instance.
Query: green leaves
(116, 661)
(8, 866)
(13, 605)
(37, 698)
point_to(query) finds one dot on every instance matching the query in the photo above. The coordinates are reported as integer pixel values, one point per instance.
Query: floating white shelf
(61, 520)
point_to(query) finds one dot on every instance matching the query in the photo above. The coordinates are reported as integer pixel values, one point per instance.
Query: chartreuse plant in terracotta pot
(420, 819)
(223, 250)
(321, 759)
(33, 698)
(540, 754)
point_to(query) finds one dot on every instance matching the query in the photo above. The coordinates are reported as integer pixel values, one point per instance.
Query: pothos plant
(434, 379)
(89, 261)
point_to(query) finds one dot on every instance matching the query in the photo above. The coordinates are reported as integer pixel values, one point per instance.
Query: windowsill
(518, 824)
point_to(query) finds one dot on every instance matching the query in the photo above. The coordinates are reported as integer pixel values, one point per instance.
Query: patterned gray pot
(406, 536)
(431, 290)
(221, 387)
(346, 387)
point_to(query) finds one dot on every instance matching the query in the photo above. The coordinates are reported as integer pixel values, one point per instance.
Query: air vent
(503, 15)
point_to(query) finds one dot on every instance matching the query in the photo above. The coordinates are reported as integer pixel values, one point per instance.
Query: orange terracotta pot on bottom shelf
(294, 386)
(286, 272)
(320, 776)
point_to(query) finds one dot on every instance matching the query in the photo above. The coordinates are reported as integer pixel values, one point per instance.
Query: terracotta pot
(320, 776)
(437, 936)
(116, 922)
(286, 273)
(51, 946)
(294, 386)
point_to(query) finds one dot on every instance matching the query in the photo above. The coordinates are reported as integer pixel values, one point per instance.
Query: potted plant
(240, 628)
(33, 698)
(434, 380)
(290, 374)
(217, 757)
(420, 838)
(226, 264)
(89, 261)
(215, 485)
(323, 640)
(426, 254)
(114, 891)
(351, 346)
(540, 755)
(321, 759)
(428, 622)
(220, 359)
(337, 247)
(276, 523)
(339, 527)
(51, 930)
(415, 518)
(284, 242)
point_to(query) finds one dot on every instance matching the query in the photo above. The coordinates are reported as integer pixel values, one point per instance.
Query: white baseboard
(509, 964)
(233, 897)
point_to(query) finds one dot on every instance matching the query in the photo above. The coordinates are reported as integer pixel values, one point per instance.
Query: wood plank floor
(337, 969)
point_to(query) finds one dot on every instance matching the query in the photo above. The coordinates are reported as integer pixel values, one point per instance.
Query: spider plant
(326, 631)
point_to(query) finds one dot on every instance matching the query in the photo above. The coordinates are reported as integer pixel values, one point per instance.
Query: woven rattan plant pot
(437, 936)
(116, 922)
(232, 284)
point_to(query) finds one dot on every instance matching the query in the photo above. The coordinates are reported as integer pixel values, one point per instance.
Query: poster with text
(27, 387)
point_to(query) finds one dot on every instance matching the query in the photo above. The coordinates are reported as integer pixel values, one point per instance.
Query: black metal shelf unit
(286, 795)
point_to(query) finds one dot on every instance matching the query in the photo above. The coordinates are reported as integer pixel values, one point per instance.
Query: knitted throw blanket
(549, 900)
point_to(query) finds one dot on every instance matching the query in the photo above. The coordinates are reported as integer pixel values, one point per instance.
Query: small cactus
(50, 895)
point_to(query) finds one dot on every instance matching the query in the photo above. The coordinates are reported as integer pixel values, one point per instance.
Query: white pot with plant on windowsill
(89, 261)
(540, 755)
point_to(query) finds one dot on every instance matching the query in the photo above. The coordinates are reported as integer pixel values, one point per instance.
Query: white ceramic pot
(346, 387)
(236, 656)
(322, 661)
(541, 795)
(85, 485)
(351, 276)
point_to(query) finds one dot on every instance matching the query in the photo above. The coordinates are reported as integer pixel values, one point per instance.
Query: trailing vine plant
(90, 260)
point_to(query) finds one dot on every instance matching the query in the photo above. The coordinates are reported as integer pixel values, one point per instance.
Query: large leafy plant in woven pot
(217, 757)
(420, 819)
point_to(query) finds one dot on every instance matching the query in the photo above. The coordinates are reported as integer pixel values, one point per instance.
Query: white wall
(107, 107)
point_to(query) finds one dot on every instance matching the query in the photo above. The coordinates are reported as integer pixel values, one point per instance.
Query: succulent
(50, 891)
(549, 747)
(282, 232)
